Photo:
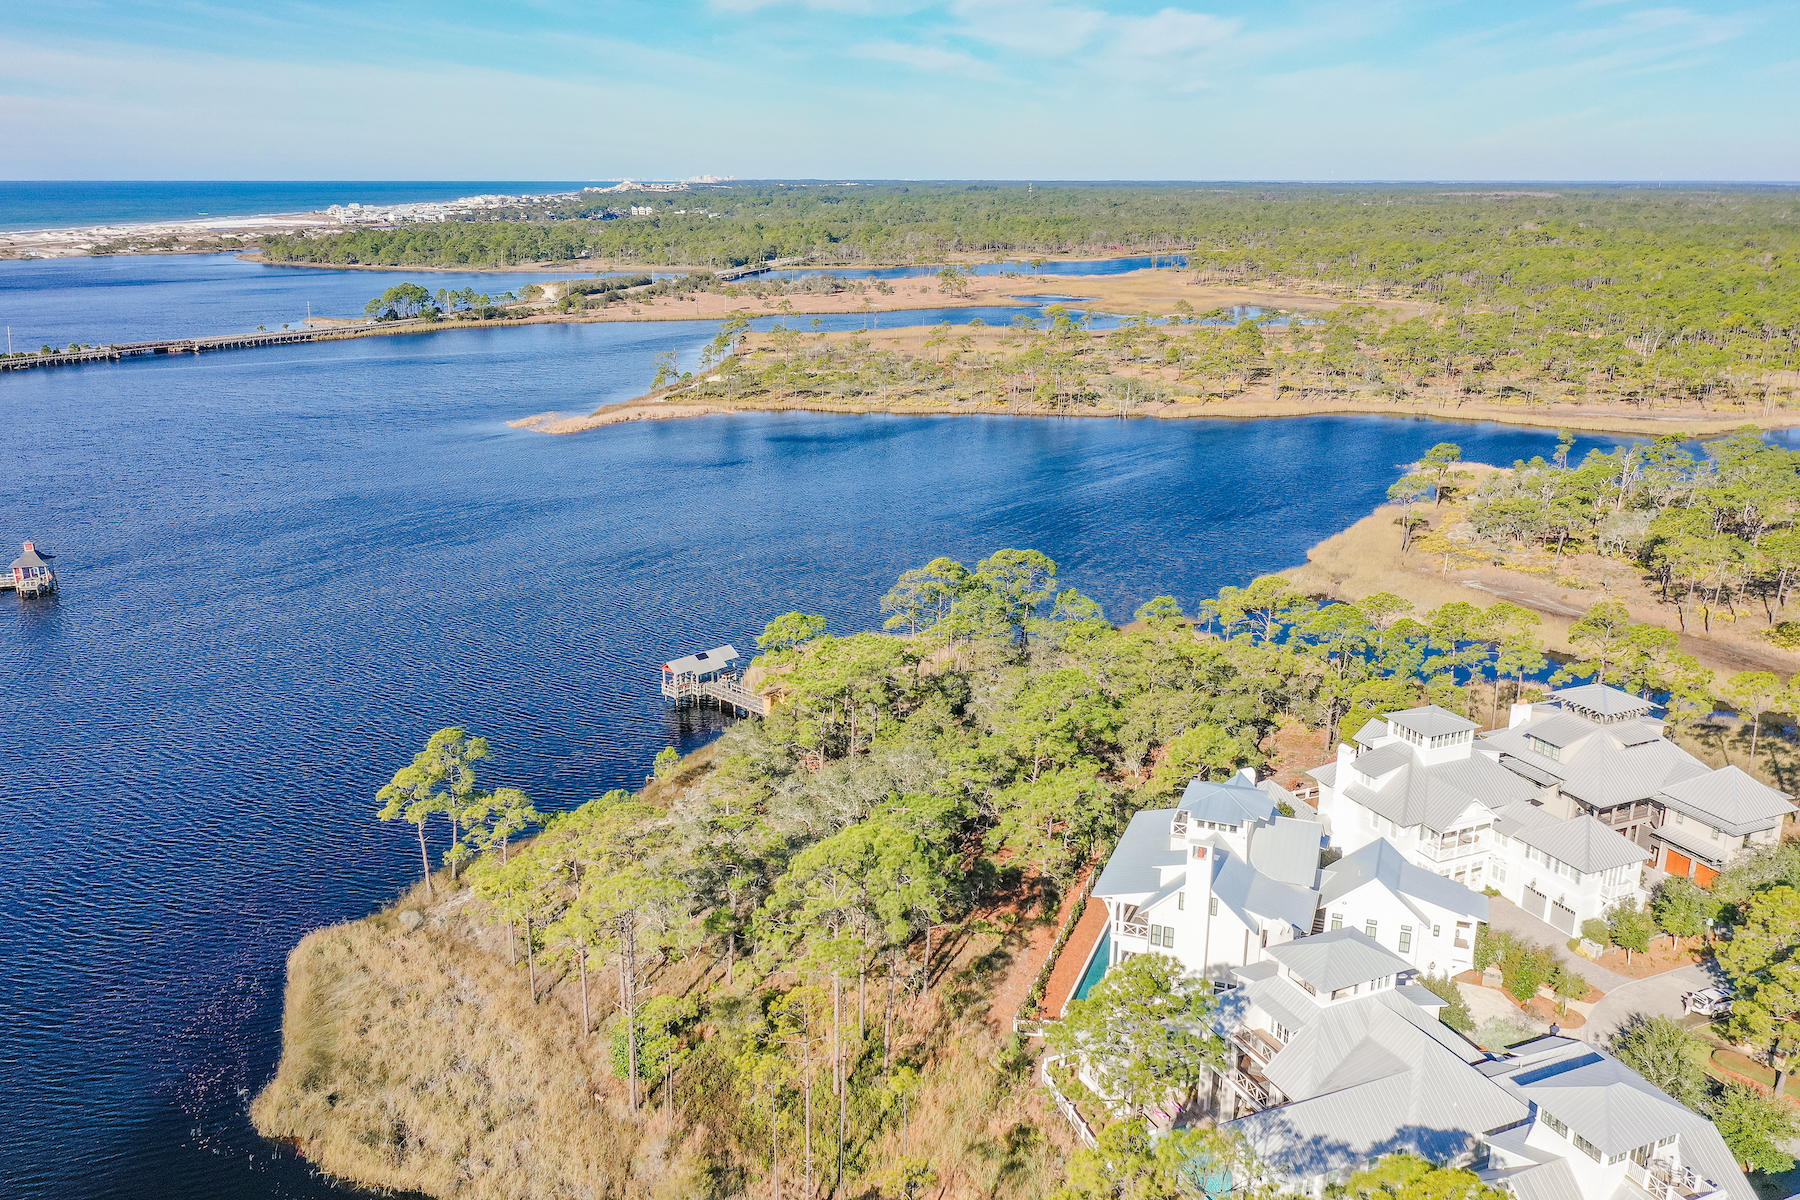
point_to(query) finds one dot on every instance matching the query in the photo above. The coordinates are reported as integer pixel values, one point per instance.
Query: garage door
(1676, 863)
(1704, 875)
(1535, 902)
(1562, 918)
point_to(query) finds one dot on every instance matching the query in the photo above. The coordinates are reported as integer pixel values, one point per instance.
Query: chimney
(29, 547)
(1519, 714)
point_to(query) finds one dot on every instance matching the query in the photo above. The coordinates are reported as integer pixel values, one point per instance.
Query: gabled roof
(1338, 959)
(1252, 895)
(1728, 800)
(1602, 699)
(1605, 766)
(1287, 850)
(1230, 803)
(1429, 720)
(1381, 862)
(29, 558)
(703, 662)
(1436, 795)
(1370, 731)
(1137, 863)
(1582, 842)
(1367, 1077)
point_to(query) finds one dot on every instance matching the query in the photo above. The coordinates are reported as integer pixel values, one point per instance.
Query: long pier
(190, 345)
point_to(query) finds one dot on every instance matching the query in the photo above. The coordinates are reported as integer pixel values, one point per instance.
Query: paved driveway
(1509, 917)
(1658, 995)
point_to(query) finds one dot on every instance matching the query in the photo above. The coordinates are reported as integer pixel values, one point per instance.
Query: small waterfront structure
(711, 675)
(30, 574)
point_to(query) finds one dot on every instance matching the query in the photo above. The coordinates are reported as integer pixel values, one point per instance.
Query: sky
(885, 89)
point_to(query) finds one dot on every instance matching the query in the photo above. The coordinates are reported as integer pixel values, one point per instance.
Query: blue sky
(1076, 89)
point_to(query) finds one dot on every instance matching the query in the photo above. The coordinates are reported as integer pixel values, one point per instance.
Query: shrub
(1455, 1012)
(1595, 930)
(1567, 985)
(1525, 968)
(1490, 947)
(1786, 635)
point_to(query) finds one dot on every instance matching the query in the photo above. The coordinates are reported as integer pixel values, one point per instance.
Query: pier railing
(726, 689)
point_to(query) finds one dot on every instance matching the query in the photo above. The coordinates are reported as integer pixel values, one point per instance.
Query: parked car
(1709, 1002)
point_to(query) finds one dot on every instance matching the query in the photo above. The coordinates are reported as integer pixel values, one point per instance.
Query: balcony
(1257, 1044)
(1445, 849)
(1257, 1091)
(1665, 1180)
(1136, 929)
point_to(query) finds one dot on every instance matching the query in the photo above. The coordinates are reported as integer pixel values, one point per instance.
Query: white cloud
(1173, 31)
(922, 58)
(1054, 30)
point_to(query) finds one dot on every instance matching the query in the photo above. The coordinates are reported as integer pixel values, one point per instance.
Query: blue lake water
(64, 203)
(144, 297)
(283, 569)
(55, 301)
(1094, 266)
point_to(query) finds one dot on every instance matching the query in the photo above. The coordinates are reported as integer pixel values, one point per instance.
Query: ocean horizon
(78, 203)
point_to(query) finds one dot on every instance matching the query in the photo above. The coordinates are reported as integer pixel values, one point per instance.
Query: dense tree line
(1636, 292)
(1716, 528)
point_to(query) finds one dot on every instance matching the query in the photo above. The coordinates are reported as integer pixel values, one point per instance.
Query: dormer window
(1540, 746)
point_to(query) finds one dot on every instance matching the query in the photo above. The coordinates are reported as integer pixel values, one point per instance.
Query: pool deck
(1065, 977)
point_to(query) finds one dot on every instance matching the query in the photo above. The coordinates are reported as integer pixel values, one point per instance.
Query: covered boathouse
(30, 574)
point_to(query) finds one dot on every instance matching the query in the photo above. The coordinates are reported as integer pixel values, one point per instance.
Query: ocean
(75, 203)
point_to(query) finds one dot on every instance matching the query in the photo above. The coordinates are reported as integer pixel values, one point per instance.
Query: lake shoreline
(667, 408)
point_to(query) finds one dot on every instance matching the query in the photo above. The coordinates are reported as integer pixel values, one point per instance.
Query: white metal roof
(1430, 720)
(1603, 699)
(1382, 862)
(1337, 959)
(704, 662)
(1728, 800)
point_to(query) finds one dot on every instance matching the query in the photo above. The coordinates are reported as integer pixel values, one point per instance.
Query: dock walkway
(193, 345)
(726, 690)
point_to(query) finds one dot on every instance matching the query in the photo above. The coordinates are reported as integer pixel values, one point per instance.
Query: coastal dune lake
(283, 569)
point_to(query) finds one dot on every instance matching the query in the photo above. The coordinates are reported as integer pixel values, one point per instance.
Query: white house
(1420, 780)
(1600, 751)
(1598, 1129)
(1337, 1058)
(1426, 919)
(1215, 881)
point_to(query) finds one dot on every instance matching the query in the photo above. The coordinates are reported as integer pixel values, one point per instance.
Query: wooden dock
(28, 588)
(710, 675)
(726, 691)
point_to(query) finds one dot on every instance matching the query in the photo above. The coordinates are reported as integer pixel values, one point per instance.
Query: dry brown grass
(414, 1059)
